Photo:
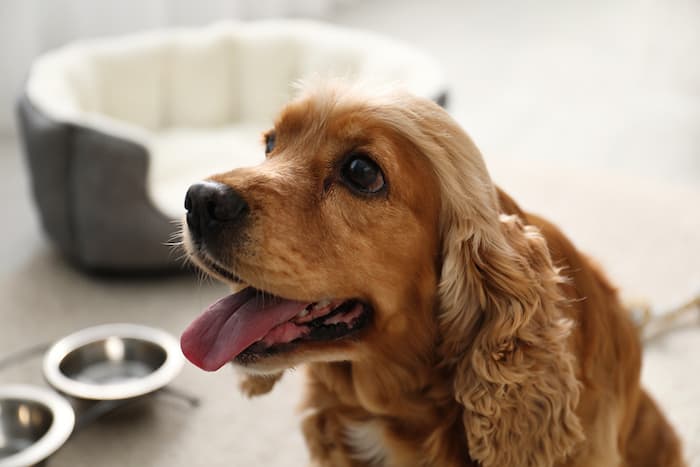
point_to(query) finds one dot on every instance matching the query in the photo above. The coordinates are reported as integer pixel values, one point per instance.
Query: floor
(587, 112)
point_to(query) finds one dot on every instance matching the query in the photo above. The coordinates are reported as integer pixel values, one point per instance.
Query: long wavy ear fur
(503, 333)
(502, 323)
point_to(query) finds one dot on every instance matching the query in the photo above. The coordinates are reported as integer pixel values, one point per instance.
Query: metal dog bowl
(34, 423)
(113, 362)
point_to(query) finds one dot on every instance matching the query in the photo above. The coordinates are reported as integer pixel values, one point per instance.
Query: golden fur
(494, 342)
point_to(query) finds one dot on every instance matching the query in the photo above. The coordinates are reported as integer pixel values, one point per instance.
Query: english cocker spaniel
(440, 324)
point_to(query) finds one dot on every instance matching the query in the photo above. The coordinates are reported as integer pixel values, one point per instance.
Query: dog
(439, 323)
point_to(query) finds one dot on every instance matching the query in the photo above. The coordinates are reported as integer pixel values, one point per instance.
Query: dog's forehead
(318, 117)
(323, 130)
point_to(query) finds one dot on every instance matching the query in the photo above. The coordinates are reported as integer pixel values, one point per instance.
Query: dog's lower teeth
(321, 304)
(303, 313)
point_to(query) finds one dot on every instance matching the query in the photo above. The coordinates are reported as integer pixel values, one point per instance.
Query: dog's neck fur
(403, 391)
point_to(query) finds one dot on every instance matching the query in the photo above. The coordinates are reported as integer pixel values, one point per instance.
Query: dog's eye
(362, 174)
(269, 142)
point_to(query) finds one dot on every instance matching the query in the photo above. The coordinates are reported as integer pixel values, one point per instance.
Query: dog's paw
(257, 385)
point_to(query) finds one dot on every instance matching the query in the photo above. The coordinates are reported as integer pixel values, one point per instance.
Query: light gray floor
(588, 112)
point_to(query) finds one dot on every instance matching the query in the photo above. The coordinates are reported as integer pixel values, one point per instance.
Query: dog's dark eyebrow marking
(269, 139)
(327, 184)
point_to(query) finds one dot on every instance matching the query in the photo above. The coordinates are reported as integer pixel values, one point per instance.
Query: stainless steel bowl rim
(59, 431)
(113, 391)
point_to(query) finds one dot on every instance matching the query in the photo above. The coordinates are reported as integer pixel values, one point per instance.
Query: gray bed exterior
(90, 190)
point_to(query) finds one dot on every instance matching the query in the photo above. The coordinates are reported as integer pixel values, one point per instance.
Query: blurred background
(586, 112)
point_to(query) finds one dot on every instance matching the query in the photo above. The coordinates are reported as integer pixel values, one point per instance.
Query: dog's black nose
(211, 206)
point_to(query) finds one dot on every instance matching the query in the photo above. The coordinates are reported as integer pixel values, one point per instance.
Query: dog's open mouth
(251, 323)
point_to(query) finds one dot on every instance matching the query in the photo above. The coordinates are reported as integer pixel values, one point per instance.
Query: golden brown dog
(441, 324)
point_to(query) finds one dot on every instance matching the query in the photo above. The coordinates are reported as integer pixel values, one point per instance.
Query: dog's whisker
(182, 258)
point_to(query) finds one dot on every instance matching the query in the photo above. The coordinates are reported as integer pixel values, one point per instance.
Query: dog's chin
(270, 365)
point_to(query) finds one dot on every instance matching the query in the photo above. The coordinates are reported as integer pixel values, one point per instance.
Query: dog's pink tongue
(229, 326)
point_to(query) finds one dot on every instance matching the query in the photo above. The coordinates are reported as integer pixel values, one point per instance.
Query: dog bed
(115, 130)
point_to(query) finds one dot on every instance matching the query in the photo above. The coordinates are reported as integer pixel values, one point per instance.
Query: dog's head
(332, 240)
(373, 231)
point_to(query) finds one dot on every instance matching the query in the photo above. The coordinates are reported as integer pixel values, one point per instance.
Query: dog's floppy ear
(504, 330)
